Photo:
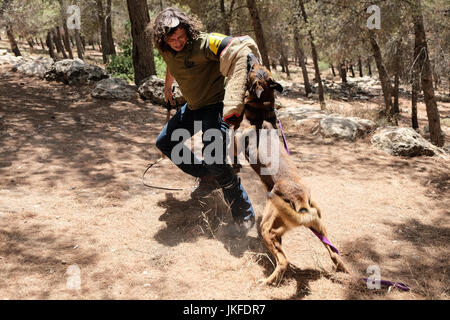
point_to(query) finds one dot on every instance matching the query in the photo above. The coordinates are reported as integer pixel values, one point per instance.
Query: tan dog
(289, 202)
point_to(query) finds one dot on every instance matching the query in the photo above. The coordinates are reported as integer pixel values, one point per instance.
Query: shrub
(121, 65)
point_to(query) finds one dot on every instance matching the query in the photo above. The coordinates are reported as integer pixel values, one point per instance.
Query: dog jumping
(288, 203)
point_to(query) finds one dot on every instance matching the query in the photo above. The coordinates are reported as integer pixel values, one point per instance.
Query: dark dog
(289, 202)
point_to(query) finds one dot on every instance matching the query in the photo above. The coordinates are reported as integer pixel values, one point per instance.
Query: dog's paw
(342, 268)
(264, 282)
(270, 281)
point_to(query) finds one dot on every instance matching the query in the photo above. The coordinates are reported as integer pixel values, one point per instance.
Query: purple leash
(282, 133)
(398, 285)
(326, 241)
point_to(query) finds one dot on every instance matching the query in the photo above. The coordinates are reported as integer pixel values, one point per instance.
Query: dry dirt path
(71, 200)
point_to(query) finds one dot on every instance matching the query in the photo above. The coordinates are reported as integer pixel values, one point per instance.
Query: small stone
(63, 262)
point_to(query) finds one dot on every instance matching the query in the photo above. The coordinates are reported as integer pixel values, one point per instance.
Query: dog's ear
(275, 85)
(251, 61)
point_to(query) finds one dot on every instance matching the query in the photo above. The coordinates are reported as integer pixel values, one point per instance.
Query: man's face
(177, 39)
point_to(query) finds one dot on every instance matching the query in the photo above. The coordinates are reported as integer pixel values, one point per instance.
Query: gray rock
(10, 59)
(442, 98)
(114, 88)
(301, 113)
(345, 128)
(404, 142)
(152, 88)
(36, 68)
(75, 72)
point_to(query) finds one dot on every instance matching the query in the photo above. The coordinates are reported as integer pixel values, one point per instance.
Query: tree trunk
(384, 78)
(12, 41)
(58, 42)
(79, 44)
(283, 69)
(352, 71)
(51, 48)
(66, 36)
(143, 61)
(343, 73)
(436, 78)
(369, 68)
(67, 41)
(315, 59)
(437, 138)
(274, 65)
(397, 78)
(103, 32)
(332, 70)
(414, 98)
(396, 108)
(83, 42)
(42, 43)
(31, 45)
(256, 22)
(109, 31)
(360, 67)
(301, 59)
(283, 60)
(226, 16)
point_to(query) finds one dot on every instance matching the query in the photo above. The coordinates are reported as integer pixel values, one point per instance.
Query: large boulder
(6, 58)
(301, 114)
(404, 142)
(152, 88)
(114, 88)
(34, 68)
(75, 72)
(349, 128)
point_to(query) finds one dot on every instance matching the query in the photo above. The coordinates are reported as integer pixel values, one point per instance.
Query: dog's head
(260, 83)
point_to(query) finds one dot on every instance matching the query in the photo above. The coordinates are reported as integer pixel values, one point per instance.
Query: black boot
(205, 185)
(240, 205)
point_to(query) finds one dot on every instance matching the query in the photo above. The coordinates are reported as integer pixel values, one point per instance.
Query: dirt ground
(76, 222)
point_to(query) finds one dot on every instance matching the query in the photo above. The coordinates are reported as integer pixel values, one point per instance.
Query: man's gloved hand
(233, 119)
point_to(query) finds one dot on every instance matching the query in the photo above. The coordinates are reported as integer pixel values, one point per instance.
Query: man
(199, 62)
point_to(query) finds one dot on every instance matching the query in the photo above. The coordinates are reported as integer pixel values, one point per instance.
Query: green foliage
(121, 65)
(160, 65)
(323, 65)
